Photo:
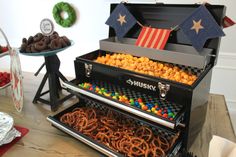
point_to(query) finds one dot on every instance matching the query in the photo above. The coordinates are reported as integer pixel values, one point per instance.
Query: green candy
(132, 103)
(131, 100)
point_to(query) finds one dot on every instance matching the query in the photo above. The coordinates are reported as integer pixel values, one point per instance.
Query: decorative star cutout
(121, 19)
(197, 26)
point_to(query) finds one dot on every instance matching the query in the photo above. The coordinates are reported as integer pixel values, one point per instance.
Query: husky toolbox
(182, 105)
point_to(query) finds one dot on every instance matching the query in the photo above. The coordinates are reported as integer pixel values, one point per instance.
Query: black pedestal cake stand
(53, 75)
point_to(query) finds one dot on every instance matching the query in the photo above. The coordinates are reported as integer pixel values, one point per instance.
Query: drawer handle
(88, 69)
(163, 90)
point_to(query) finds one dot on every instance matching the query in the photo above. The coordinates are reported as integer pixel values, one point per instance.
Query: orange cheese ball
(146, 66)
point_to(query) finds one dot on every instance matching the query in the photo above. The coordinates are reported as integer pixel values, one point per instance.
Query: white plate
(6, 124)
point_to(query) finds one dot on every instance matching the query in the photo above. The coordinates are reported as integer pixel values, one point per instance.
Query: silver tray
(6, 124)
(7, 131)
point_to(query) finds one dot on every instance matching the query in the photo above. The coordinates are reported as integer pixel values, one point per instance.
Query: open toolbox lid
(167, 16)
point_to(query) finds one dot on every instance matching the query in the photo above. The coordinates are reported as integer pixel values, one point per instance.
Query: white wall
(224, 74)
(21, 19)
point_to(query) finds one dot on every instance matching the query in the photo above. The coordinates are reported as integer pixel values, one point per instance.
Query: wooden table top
(43, 140)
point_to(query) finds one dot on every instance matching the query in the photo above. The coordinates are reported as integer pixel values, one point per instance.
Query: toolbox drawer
(175, 109)
(102, 110)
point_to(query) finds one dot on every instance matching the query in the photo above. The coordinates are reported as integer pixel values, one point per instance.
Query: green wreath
(64, 7)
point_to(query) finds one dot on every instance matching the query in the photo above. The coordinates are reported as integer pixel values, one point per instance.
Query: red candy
(140, 100)
(165, 115)
(144, 108)
(159, 114)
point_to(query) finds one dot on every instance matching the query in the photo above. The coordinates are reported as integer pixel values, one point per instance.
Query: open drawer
(170, 114)
(116, 123)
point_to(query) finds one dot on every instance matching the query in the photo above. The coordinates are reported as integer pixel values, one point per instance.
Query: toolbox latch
(163, 90)
(88, 69)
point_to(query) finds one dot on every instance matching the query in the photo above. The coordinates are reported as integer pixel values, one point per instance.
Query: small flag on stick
(121, 20)
(227, 22)
(153, 38)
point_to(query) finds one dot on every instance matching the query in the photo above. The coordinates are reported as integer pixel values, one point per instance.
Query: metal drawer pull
(88, 69)
(163, 90)
(182, 125)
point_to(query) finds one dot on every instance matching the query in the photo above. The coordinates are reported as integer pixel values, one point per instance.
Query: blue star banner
(121, 20)
(200, 26)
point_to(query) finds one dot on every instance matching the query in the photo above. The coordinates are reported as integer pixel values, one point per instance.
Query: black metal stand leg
(53, 91)
(53, 75)
(41, 67)
(59, 88)
(38, 94)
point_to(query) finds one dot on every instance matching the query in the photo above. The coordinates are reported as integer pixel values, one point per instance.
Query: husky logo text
(141, 84)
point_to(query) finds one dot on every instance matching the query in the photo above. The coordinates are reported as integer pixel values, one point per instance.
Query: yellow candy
(153, 109)
(141, 103)
(106, 94)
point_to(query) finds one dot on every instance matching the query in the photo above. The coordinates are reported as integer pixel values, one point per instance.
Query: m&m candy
(153, 108)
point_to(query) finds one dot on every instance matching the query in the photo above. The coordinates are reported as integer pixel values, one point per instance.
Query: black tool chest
(187, 102)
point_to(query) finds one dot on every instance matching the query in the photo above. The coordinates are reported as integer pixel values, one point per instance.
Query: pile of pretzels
(119, 133)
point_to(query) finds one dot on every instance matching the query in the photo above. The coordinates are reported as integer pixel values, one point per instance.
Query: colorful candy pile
(149, 107)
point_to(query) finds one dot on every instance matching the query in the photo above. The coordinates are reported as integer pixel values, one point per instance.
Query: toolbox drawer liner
(86, 102)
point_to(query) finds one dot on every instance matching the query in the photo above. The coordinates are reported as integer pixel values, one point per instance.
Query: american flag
(227, 22)
(153, 38)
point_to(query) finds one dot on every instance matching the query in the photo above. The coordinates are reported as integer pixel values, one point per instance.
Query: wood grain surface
(43, 140)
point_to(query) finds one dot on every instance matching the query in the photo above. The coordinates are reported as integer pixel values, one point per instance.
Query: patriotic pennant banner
(227, 22)
(153, 38)
(121, 20)
(200, 26)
